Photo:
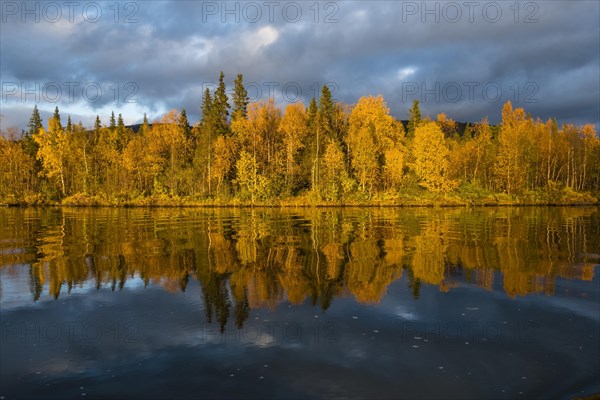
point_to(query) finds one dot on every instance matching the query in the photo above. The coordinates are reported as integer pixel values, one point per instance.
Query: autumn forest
(245, 153)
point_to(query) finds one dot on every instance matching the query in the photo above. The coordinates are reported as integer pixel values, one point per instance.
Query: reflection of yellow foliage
(588, 272)
(333, 256)
(222, 252)
(296, 287)
(366, 276)
(246, 248)
(263, 291)
(394, 251)
(429, 258)
(265, 257)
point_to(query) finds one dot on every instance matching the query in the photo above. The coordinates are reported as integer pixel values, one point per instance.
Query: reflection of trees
(245, 259)
(367, 272)
(530, 246)
(430, 247)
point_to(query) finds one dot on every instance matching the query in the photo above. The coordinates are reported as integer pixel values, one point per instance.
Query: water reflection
(248, 258)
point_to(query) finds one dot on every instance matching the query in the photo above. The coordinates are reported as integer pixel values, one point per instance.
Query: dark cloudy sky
(464, 58)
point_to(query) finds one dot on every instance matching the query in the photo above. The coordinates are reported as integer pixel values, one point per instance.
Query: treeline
(245, 259)
(329, 152)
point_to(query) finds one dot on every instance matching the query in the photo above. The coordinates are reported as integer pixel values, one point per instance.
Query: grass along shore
(460, 198)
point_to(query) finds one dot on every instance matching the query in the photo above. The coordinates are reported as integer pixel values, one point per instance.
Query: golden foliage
(430, 154)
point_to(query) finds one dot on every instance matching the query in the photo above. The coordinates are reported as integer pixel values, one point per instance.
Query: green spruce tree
(184, 125)
(69, 128)
(220, 107)
(326, 114)
(414, 118)
(240, 98)
(113, 123)
(56, 117)
(35, 122)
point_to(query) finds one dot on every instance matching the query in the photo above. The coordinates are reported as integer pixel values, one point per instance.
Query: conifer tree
(56, 118)
(113, 123)
(69, 128)
(35, 122)
(326, 114)
(240, 98)
(414, 118)
(206, 106)
(184, 125)
(221, 107)
(144, 128)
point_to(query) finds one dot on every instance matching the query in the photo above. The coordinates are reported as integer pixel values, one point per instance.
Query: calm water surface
(359, 303)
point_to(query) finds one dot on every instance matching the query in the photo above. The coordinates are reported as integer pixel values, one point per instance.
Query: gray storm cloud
(462, 58)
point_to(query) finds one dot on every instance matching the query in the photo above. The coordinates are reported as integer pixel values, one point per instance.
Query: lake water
(359, 303)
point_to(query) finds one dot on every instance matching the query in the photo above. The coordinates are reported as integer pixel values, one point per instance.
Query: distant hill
(135, 128)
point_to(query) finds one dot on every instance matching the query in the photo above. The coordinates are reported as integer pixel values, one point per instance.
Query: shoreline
(167, 202)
